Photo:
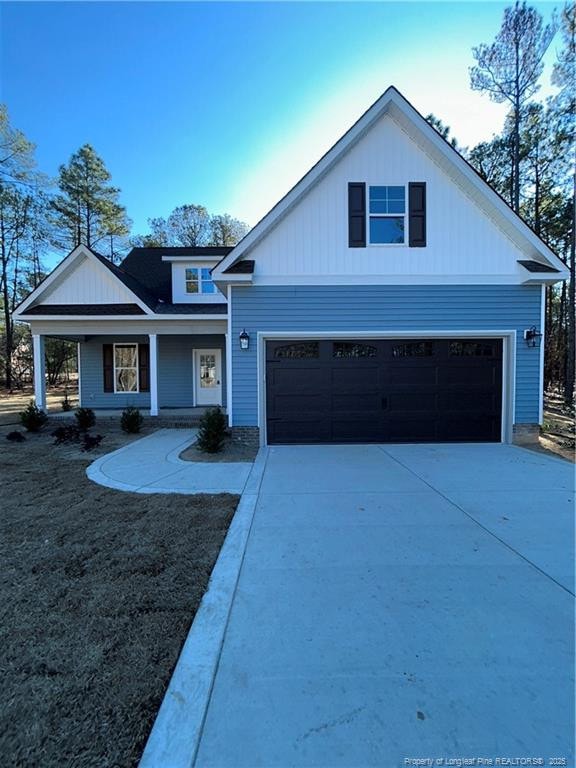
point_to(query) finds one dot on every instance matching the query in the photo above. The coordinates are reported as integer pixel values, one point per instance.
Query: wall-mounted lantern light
(244, 340)
(531, 336)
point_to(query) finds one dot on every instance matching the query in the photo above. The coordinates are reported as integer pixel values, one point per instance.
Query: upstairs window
(199, 280)
(387, 215)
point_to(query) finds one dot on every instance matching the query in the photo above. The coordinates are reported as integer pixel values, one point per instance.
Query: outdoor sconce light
(244, 340)
(531, 336)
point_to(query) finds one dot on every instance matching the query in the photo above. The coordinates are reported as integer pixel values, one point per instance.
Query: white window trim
(199, 292)
(127, 344)
(387, 216)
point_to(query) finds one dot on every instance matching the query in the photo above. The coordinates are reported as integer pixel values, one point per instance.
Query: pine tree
(87, 210)
(508, 70)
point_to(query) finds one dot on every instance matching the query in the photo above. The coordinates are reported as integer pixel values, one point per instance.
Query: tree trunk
(549, 356)
(6, 298)
(571, 325)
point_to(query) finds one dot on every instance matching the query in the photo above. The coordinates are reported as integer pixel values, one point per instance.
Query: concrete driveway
(400, 603)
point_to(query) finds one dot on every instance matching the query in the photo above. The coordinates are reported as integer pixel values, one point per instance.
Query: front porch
(166, 418)
(175, 376)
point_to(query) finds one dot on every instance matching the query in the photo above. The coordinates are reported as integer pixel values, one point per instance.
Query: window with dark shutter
(356, 214)
(144, 367)
(108, 367)
(417, 214)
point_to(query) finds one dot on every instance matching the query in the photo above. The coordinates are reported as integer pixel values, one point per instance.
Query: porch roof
(84, 309)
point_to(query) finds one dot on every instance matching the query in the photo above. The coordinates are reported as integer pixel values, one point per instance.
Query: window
(299, 350)
(387, 222)
(346, 349)
(199, 280)
(125, 367)
(413, 349)
(471, 349)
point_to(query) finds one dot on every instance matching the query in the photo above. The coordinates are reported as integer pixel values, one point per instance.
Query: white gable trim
(419, 130)
(59, 274)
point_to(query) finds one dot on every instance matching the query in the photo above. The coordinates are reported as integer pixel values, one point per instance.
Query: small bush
(33, 418)
(131, 420)
(66, 404)
(15, 436)
(212, 431)
(85, 418)
(66, 434)
(91, 442)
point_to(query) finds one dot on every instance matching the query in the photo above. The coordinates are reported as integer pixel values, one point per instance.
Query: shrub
(91, 442)
(66, 404)
(131, 420)
(85, 418)
(33, 418)
(212, 431)
(15, 437)
(66, 434)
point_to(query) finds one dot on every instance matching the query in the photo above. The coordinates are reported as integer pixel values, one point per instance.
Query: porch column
(39, 371)
(153, 374)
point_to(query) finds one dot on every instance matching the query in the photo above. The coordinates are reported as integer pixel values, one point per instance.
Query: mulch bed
(98, 589)
(232, 450)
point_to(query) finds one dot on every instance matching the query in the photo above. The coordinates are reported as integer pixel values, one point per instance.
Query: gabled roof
(143, 272)
(393, 103)
(140, 296)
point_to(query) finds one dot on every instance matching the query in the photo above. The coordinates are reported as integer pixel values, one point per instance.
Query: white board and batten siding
(311, 241)
(87, 282)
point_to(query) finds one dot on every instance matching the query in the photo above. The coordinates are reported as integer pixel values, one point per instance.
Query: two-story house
(390, 296)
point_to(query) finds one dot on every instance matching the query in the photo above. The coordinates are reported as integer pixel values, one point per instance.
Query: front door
(208, 367)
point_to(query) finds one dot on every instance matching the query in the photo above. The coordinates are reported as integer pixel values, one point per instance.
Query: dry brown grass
(11, 403)
(97, 591)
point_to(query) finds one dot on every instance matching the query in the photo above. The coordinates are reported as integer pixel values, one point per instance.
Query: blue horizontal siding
(175, 371)
(176, 368)
(380, 307)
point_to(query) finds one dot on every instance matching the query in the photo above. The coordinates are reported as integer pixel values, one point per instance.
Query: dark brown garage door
(384, 391)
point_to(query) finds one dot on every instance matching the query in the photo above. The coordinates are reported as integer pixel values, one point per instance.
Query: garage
(384, 390)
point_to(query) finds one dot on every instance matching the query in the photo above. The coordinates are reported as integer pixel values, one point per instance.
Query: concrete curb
(176, 733)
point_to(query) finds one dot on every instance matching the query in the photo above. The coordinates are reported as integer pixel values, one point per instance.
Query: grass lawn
(98, 589)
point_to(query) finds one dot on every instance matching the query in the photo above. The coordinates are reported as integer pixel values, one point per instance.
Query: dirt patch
(559, 428)
(233, 450)
(98, 589)
(11, 403)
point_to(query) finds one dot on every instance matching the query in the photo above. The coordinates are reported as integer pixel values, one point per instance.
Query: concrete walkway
(152, 465)
(393, 603)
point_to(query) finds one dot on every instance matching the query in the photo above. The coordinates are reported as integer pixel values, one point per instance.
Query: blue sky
(228, 104)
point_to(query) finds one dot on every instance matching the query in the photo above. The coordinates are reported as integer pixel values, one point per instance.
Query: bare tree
(225, 230)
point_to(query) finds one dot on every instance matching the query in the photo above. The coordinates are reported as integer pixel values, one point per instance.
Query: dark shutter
(417, 214)
(108, 367)
(144, 367)
(356, 214)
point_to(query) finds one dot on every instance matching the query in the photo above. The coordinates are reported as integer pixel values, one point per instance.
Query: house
(390, 296)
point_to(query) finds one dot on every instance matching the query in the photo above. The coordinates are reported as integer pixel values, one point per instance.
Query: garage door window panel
(347, 350)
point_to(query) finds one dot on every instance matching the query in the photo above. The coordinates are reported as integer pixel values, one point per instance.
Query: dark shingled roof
(145, 265)
(245, 267)
(150, 279)
(536, 266)
(191, 309)
(84, 309)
